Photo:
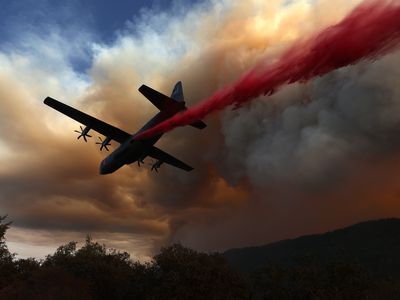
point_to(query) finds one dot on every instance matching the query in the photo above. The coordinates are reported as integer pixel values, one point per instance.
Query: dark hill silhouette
(375, 245)
(339, 268)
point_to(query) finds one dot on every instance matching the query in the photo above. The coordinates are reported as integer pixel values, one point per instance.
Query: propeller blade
(103, 144)
(83, 133)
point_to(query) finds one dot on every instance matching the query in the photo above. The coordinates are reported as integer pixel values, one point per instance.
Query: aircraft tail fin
(177, 93)
(163, 102)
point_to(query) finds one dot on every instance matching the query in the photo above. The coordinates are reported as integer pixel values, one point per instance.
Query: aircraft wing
(169, 159)
(161, 101)
(101, 127)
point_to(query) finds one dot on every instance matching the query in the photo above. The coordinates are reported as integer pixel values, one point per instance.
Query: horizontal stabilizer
(161, 101)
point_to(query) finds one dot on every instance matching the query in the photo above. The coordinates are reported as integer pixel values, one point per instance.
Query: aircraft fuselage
(136, 150)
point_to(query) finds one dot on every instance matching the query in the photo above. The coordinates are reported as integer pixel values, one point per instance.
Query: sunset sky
(313, 157)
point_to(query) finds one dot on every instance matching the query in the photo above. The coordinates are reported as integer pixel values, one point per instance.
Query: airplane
(132, 150)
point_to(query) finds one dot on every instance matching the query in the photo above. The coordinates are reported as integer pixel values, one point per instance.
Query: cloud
(290, 164)
(311, 130)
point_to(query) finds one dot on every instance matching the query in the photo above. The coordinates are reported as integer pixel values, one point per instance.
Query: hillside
(373, 244)
(339, 270)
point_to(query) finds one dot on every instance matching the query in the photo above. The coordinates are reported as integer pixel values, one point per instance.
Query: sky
(313, 157)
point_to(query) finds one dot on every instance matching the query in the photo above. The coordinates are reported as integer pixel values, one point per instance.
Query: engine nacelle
(104, 144)
(84, 133)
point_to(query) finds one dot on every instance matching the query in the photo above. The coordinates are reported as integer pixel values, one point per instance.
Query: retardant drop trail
(368, 32)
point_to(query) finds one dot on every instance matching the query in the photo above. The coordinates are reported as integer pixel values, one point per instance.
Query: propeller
(104, 144)
(83, 133)
(156, 165)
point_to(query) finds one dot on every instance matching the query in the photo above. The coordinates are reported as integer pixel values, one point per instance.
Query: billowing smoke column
(368, 32)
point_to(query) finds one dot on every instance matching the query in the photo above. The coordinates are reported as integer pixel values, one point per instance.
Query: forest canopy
(95, 272)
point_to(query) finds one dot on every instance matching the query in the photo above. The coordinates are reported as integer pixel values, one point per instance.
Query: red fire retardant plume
(371, 30)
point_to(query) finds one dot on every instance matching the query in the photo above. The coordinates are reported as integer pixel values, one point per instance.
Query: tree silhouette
(176, 272)
(182, 273)
(7, 267)
(107, 272)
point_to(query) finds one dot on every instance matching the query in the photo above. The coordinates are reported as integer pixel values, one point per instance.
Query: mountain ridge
(374, 244)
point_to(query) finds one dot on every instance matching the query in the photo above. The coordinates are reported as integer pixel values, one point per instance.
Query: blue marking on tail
(177, 93)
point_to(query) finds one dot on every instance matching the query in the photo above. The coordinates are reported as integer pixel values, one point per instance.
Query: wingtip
(48, 100)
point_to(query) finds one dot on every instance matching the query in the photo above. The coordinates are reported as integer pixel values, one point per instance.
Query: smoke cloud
(311, 157)
(370, 31)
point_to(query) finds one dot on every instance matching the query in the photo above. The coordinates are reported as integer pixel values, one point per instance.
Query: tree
(271, 282)
(108, 273)
(182, 273)
(7, 267)
(4, 252)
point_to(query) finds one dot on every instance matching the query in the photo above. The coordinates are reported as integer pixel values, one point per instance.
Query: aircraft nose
(104, 168)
